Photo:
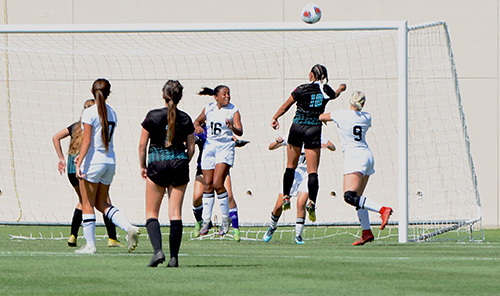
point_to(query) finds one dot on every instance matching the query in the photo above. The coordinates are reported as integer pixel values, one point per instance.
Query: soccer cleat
(173, 262)
(133, 237)
(236, 235)
(206, 227)
(385, 213)
(299, 240)
(311, 210)
(269, 234)
(114, 243)
(72, 241)
(366, 237)
(158, 258)
(224, 228)
(286, 203)
(87, 250)
(197, 228)
(241, 143)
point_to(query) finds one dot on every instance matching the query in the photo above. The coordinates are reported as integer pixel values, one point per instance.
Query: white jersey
(352, 127)
(217, 129)
(97, 151)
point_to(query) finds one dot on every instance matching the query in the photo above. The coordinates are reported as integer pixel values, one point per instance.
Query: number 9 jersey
(215, 119)
(352, 127)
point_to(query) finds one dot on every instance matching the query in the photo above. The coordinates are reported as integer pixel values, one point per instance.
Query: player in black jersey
(169, 131)
(311, 99)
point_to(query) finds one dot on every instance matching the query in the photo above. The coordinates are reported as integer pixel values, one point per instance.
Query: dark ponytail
(101, 90)
(206, 91)
(172, 94)
(320, 73)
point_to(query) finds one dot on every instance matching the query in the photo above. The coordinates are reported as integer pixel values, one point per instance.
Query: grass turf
(251, 267)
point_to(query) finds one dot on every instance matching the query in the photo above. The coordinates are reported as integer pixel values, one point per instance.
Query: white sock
(88, 223)
(299, 226)
(274, 221)
(118, 218)
(208, 206)
(224, 205)
(370, 205)
(364, 219)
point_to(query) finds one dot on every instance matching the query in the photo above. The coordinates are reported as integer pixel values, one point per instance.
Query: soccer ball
(311, 13)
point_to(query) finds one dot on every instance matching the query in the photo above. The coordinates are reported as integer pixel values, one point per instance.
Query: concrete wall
(473, 28)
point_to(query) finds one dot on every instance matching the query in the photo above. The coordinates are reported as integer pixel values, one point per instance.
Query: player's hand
(199, 130)
(229, 124)
(275, 124)
(144, 173)
(279, 139)
(342, 87)
(78, 172)
(61, 166)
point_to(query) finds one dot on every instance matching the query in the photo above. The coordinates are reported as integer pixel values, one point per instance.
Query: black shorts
(307, 135)
(73, 180)
(169, 172)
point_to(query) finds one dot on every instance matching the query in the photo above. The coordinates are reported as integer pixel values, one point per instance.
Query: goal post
(408, 74)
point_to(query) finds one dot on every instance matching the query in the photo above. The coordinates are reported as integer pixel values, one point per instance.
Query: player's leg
(88, 191)
(111, 229)
(275, 216)
(175, 200)
(208, 201)
(352, 184)
(233, 209)
(220, 173)
(301, 217)
(293, 154)
(198, 203)
(154, 197)
(76, 220)
(312, 159)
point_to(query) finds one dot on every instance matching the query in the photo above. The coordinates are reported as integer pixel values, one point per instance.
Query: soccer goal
(424, 168)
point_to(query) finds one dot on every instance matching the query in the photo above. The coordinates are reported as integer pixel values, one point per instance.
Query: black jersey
(311, 101)
(156, 123)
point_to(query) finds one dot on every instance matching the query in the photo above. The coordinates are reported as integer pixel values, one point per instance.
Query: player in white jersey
(358, 162)
(95, 168)
(299, 189)
(222, 120)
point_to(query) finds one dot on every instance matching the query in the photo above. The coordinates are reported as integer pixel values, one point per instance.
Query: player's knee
(352, 198)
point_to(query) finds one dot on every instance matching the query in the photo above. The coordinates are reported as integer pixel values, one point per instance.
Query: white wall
(473, 28)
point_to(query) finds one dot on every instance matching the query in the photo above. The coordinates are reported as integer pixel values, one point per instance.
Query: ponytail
(320, 73)
(101, 90)
(172, 94)
(206, 91)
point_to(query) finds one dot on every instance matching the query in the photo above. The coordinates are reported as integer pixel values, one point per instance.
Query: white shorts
(299, 182)
(217, 152)
(359, 160)
(99, 173)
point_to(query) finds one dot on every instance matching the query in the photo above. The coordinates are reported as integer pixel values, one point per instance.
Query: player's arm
(190, 143)
(235, 125)
(281, 111)
(342, 87)
(56, 140)
(198, 123)
(87, 135)
(325, 117)
(278, 142)
(143, 143)
(330, 146)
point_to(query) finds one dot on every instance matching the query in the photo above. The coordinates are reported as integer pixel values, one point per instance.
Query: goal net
(46, 74)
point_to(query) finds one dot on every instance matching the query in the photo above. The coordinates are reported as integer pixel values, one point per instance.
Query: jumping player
(222, 120)
(299, 189)
(166, 129)
(311, 99)
(358, 162)
(74, 131)
(95, 167)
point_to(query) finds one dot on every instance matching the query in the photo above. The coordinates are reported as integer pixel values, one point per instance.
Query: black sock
(175, 237)
(154, 232)
(76, 222)
(198, 213)
(313, 186)
(288, 178)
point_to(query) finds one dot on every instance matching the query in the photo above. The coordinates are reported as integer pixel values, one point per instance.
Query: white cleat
(87, 250)
(133, 237)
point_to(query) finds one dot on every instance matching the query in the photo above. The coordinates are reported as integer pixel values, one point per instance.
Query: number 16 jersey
(215, 118)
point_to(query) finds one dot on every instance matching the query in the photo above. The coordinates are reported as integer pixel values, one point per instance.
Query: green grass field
(223, 267)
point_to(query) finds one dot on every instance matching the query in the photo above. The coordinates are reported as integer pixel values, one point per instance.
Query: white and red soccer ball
(311, 13)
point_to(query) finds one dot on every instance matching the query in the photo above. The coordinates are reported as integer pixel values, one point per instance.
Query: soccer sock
(208, 206)
(364, 219)
(288, 178)
(274, 221)
(110, 227)
(175, 237)
(299, 226)
(154, 232)
(89, 228)
(76, 222)
(119, 219)
(370, 204)
(313, 186)
(198, 213)
(233, 213)
(224, 204)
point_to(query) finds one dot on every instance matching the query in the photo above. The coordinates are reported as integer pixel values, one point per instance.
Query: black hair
(206, 91)
(320, 73)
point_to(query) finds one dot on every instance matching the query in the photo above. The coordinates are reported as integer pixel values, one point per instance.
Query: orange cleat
(365, 238)
(385, 213)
